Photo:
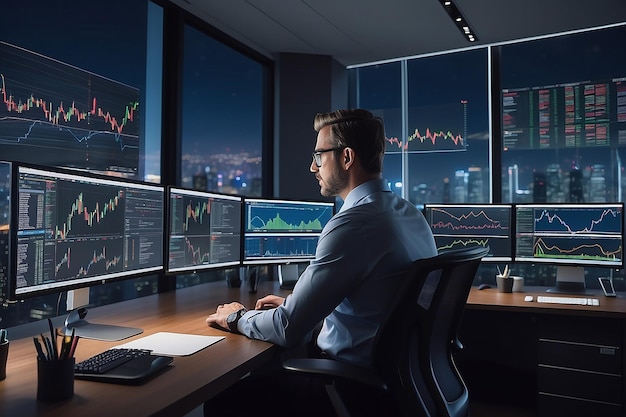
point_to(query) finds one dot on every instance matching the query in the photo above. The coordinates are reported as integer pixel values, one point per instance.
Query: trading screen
(282, 230)
(73, 229)
(584, 234)
(456, 226)
(205, 230)
(569, 115)
(60, 115)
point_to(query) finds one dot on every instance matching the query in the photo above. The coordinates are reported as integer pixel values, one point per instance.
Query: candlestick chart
(58, 114)
(205, 230)
(76, 229)
(435, 128)
(428, 141)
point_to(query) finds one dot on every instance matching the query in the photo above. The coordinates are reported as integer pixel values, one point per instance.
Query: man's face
(330, 174)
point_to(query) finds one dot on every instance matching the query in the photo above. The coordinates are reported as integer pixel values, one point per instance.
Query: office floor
(477, 410)
(498, 410)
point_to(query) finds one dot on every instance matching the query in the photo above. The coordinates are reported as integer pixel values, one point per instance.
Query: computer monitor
(570, 236)
(73, 230)
(56, 114)
(204, 230)
(455, 226)
(282, 231)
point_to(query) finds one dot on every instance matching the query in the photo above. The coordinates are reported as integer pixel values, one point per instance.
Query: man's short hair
(358, 129)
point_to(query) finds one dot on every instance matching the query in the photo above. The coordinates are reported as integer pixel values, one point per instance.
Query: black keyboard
(121, 366)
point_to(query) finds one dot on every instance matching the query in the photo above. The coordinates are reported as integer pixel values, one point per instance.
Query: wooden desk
(491, 299)
(181, 388)
(552, 359)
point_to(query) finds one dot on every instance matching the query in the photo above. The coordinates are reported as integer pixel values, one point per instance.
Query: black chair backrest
(413, 350)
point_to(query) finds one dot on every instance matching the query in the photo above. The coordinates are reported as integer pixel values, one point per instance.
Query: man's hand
(269, 301)
(221, 314)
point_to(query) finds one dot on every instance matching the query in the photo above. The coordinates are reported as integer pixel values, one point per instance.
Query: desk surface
(181, 388)
(193, 379)
(491, 299)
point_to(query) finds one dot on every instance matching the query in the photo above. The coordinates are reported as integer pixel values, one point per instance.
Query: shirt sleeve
(330, 277)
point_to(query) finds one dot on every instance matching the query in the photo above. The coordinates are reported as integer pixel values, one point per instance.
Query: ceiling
(364, 31)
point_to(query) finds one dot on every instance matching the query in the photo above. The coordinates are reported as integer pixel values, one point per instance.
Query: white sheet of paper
(172, 344)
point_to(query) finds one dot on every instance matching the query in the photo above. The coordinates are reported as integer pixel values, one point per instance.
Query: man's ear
(348, 157)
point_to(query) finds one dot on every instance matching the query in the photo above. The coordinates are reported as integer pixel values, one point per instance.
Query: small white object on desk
(568, 300)
(172, 344)
(528, 298)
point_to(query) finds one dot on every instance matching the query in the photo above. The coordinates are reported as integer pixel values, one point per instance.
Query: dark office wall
(305, 85)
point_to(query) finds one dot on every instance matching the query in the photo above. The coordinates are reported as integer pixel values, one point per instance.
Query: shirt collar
(362, 191)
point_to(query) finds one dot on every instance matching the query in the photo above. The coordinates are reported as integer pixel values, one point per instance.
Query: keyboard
(568, 300)
(121, 366)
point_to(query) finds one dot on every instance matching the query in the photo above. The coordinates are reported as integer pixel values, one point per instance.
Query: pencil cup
(55, 379)
(504, 284)
(518, 284)
(4, 354)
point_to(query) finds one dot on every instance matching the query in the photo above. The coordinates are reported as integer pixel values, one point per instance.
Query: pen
(73, 347)
(53, 340)
(40, 354)
(66, 345)
(47, 346)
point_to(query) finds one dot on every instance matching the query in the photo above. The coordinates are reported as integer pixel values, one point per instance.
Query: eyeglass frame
(317, 155)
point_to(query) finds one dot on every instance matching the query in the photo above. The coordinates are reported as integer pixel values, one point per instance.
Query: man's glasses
(317, 155)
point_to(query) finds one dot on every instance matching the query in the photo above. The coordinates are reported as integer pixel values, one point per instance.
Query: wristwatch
(233, 319)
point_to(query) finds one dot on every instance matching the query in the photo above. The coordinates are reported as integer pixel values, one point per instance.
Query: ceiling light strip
(459, 20)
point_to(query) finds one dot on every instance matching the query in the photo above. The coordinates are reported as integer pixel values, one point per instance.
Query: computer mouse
(484, 286)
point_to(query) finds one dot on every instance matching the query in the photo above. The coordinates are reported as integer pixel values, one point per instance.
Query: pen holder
(518, 284)
(4, 354)
(504, 284)
(55, 379)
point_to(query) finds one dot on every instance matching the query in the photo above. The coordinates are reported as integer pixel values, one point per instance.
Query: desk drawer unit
(580, 367)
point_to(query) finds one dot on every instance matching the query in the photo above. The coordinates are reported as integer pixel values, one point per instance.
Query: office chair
(413, 358)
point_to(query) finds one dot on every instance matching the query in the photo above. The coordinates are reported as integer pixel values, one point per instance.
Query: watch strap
(233, 319)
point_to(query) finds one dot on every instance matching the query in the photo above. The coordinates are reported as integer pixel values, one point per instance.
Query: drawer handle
(607, 351)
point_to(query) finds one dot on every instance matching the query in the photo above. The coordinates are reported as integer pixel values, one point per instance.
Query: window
(564, 118)
(448, 128)
(89, 54)
(379, 90)
(563, 136)
(438, 142)
(222, 117)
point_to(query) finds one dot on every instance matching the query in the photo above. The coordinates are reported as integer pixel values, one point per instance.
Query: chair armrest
(457, 345)
(335, 369)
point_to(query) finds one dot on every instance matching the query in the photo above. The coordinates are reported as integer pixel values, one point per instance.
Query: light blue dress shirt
(375, 235)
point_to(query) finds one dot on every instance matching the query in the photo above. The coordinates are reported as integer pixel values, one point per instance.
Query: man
(375, 235)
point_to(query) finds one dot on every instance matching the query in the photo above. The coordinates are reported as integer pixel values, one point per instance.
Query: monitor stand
(75, 322)
(569, 280)
(288, 275)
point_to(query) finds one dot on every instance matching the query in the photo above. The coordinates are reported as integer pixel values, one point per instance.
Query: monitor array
(65, 229)
(581, 234)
